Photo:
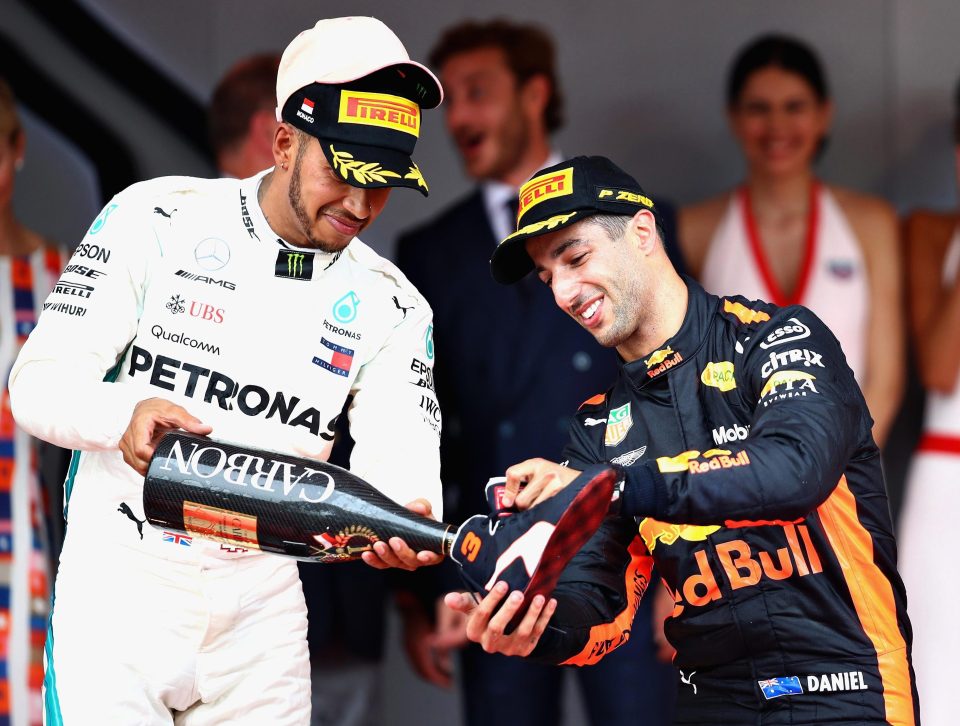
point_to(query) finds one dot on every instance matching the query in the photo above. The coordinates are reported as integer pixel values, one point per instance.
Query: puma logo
(162, 213)
(124, 508)
(686, 679)
(401, 308)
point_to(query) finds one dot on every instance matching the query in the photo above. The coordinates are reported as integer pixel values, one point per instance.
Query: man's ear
(643, 228)
(535, 95)
(284, 145)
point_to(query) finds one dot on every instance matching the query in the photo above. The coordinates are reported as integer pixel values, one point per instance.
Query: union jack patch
(177, 538)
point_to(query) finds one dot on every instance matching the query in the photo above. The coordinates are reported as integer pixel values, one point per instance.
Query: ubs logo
(212, 254)
(175, 305)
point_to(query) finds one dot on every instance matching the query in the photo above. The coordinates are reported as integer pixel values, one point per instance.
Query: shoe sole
(578, 524)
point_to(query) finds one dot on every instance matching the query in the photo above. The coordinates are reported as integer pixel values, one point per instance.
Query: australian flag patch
(784, 686)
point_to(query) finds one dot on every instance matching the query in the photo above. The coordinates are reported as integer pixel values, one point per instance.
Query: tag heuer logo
(619, 423)
(294, 265)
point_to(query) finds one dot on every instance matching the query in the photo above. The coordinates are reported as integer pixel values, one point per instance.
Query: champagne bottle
(257, 499)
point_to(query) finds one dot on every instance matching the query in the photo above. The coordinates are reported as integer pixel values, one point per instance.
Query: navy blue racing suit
(753, 483)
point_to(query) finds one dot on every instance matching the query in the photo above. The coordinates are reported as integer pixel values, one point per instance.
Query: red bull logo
(721, 461)
(686, 461)
(544, 187)
(653, 531)
(379, 109)
(665, 363)
(741, 566)
(677, 463)
(658, 356)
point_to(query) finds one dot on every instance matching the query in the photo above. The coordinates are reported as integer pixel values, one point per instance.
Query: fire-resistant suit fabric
(180, 290)
(753, 484)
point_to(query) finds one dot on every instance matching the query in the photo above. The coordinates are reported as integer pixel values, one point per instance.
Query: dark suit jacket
(511, 368)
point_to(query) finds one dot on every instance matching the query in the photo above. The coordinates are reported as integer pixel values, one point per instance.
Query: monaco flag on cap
(307, 106)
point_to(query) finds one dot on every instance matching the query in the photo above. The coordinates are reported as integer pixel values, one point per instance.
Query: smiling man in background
(509, 368)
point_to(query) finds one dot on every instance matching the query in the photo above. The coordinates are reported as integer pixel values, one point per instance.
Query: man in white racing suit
(247, 310)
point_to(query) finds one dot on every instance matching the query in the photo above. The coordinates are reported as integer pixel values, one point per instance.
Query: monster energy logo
(294, 265)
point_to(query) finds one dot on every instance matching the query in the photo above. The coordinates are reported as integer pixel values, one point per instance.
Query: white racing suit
(180, 290)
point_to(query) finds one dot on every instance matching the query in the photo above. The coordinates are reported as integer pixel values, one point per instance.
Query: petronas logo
(428, 342)
(345, 309)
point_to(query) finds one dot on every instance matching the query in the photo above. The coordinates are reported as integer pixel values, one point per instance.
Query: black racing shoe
(528, 550)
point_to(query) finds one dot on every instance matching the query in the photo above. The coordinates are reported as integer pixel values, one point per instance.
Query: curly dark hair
(528, 48)
(249, 86)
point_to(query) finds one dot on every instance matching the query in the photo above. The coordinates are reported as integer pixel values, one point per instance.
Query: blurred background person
(242, 116)
(786, 237)
(29, 268)
(509, 368)
(346, 616)
(933, 486)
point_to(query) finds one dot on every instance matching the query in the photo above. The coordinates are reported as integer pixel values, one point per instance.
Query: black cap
(367, 127)
(559, 196)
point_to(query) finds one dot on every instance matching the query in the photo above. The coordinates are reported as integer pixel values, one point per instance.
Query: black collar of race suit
(682, 347)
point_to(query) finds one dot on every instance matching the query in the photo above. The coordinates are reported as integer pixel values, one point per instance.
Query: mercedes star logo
(212, 254)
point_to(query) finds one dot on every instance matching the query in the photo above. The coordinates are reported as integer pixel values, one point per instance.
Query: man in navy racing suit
(750, 479)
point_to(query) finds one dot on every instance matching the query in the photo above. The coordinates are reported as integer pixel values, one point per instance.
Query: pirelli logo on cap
(379, 109)
(622, 195)
(544, 187)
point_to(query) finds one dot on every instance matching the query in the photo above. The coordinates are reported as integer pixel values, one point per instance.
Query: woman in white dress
(932, 501)
(787, 237)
